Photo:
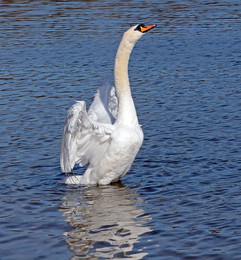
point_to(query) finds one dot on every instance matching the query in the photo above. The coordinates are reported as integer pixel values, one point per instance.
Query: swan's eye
(138, 28)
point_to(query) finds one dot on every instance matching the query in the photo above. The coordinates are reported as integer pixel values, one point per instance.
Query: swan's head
(137, 31)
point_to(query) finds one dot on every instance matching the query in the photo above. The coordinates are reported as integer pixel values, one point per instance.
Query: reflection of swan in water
(106, 221)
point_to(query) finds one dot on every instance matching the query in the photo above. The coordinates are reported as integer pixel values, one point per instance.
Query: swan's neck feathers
(126, 110)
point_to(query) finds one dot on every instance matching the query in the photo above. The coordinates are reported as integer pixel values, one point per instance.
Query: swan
(108, 136)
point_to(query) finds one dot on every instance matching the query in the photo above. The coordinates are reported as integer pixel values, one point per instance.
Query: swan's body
(109, 136)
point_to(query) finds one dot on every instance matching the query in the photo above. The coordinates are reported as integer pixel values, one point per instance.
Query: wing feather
(84, 140)
(104, 108)
(113, 102)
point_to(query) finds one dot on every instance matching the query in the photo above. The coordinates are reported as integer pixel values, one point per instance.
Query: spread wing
(104, 108)
(113, 102)
(84, 140)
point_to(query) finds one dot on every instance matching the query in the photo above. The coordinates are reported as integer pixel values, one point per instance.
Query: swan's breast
(117, 161)
(125, 139)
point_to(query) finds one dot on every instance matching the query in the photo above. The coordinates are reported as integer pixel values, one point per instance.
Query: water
(182, 197)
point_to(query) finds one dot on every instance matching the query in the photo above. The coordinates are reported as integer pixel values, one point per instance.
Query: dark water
(182, 197)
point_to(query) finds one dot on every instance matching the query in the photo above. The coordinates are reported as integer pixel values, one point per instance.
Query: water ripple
(181, 199)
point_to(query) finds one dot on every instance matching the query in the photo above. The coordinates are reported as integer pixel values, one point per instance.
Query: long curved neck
(126, 108)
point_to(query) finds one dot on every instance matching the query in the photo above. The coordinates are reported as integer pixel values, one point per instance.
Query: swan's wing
(83, 140)
(113, 102)
(105, 105)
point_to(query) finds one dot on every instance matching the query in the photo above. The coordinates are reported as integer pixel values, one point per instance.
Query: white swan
(109, 136)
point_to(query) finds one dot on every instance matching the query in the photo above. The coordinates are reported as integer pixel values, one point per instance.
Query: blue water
(182, 197)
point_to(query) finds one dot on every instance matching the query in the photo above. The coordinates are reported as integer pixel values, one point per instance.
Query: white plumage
(109, 136)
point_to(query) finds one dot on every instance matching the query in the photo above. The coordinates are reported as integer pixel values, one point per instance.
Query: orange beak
(147, 28)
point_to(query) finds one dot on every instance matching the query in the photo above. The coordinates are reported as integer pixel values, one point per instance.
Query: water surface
(182, 197)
